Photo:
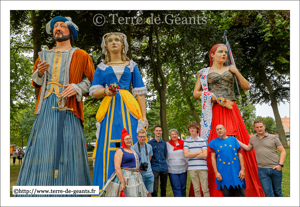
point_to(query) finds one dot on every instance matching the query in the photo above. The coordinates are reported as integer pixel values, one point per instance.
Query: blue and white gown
(117, 115)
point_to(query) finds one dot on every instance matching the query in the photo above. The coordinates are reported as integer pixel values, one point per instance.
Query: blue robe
(39, 161)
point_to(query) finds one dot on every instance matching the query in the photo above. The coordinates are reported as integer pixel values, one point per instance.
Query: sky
(265, 110)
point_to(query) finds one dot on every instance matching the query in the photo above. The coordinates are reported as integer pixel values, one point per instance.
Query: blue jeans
(148, 180)
(270, 181)
(178, 183)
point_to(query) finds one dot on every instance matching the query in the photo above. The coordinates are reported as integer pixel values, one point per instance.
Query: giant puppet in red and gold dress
(215, 87)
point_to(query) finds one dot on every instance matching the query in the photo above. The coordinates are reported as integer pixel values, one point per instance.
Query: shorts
(148, 180)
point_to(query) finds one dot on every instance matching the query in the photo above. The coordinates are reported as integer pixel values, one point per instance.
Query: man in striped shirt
(195, 149)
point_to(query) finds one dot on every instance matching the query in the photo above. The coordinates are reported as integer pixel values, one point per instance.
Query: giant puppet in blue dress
(118, 109)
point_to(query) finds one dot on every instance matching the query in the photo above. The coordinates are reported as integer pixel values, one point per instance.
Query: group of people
(124, 163)
(18, 154)
(157, 159)
(149, 163)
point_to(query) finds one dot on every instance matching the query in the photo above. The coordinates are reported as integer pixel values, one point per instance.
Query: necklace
(120, 62)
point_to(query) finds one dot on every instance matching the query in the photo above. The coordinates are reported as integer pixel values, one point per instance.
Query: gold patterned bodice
(55, 75)
(221, 84)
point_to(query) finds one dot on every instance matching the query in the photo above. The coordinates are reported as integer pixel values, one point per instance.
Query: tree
(20, 130)
(261, 45)
(247, 110)
(90, 129)
(21, 93)
(168, 56)
(158, 76)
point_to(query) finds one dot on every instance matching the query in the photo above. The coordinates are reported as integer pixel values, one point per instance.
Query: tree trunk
(128, 34)
(161, 89)
(163, 115)
(274, 105)
(187, 97)
(36, 35)
(129, 53)
(163, 102)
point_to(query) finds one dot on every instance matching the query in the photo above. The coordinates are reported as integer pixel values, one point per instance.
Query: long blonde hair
(123, 53)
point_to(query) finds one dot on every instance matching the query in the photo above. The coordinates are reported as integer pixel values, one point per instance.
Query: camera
(144, 166)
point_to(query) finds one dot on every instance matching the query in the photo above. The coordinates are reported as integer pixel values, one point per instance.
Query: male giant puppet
(56, 150)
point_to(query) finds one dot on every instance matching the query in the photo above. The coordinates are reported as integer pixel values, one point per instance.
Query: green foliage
(21, 128)
(259, 41)
(261, 51)
(247, 110)
(90, 109)
(21, 90)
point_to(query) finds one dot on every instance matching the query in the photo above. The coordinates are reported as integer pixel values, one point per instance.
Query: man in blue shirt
(144, 150)
(228, 164)
(158, 162)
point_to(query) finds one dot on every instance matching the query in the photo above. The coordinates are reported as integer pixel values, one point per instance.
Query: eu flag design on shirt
(227, 162)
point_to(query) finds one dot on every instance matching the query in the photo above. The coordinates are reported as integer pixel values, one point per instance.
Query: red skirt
(234, 124)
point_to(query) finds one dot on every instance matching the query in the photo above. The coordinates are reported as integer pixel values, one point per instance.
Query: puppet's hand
(233, 69)
(69, 91)
(213, 99)
(42, 67)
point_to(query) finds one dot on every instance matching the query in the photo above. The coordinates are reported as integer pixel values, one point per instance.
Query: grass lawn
(286, 175)
(14, 172)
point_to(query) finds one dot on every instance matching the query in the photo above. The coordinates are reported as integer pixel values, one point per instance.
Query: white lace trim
(79, 92)
(94, 88)
(38, 80)
(131, 65)
(139, 91)
(84, 85)
(118, 70)
(98, 125)
(102, 66)
(141, 125)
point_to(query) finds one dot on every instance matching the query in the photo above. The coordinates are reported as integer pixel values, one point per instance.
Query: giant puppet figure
(119, 109)
(56, 151)
(215, 88)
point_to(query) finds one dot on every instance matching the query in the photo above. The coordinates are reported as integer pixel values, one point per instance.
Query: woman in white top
(177, 164)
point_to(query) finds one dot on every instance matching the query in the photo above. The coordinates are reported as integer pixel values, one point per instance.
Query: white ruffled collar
(131, 66)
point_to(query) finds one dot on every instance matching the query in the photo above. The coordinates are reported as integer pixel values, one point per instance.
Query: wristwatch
(280, 165)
